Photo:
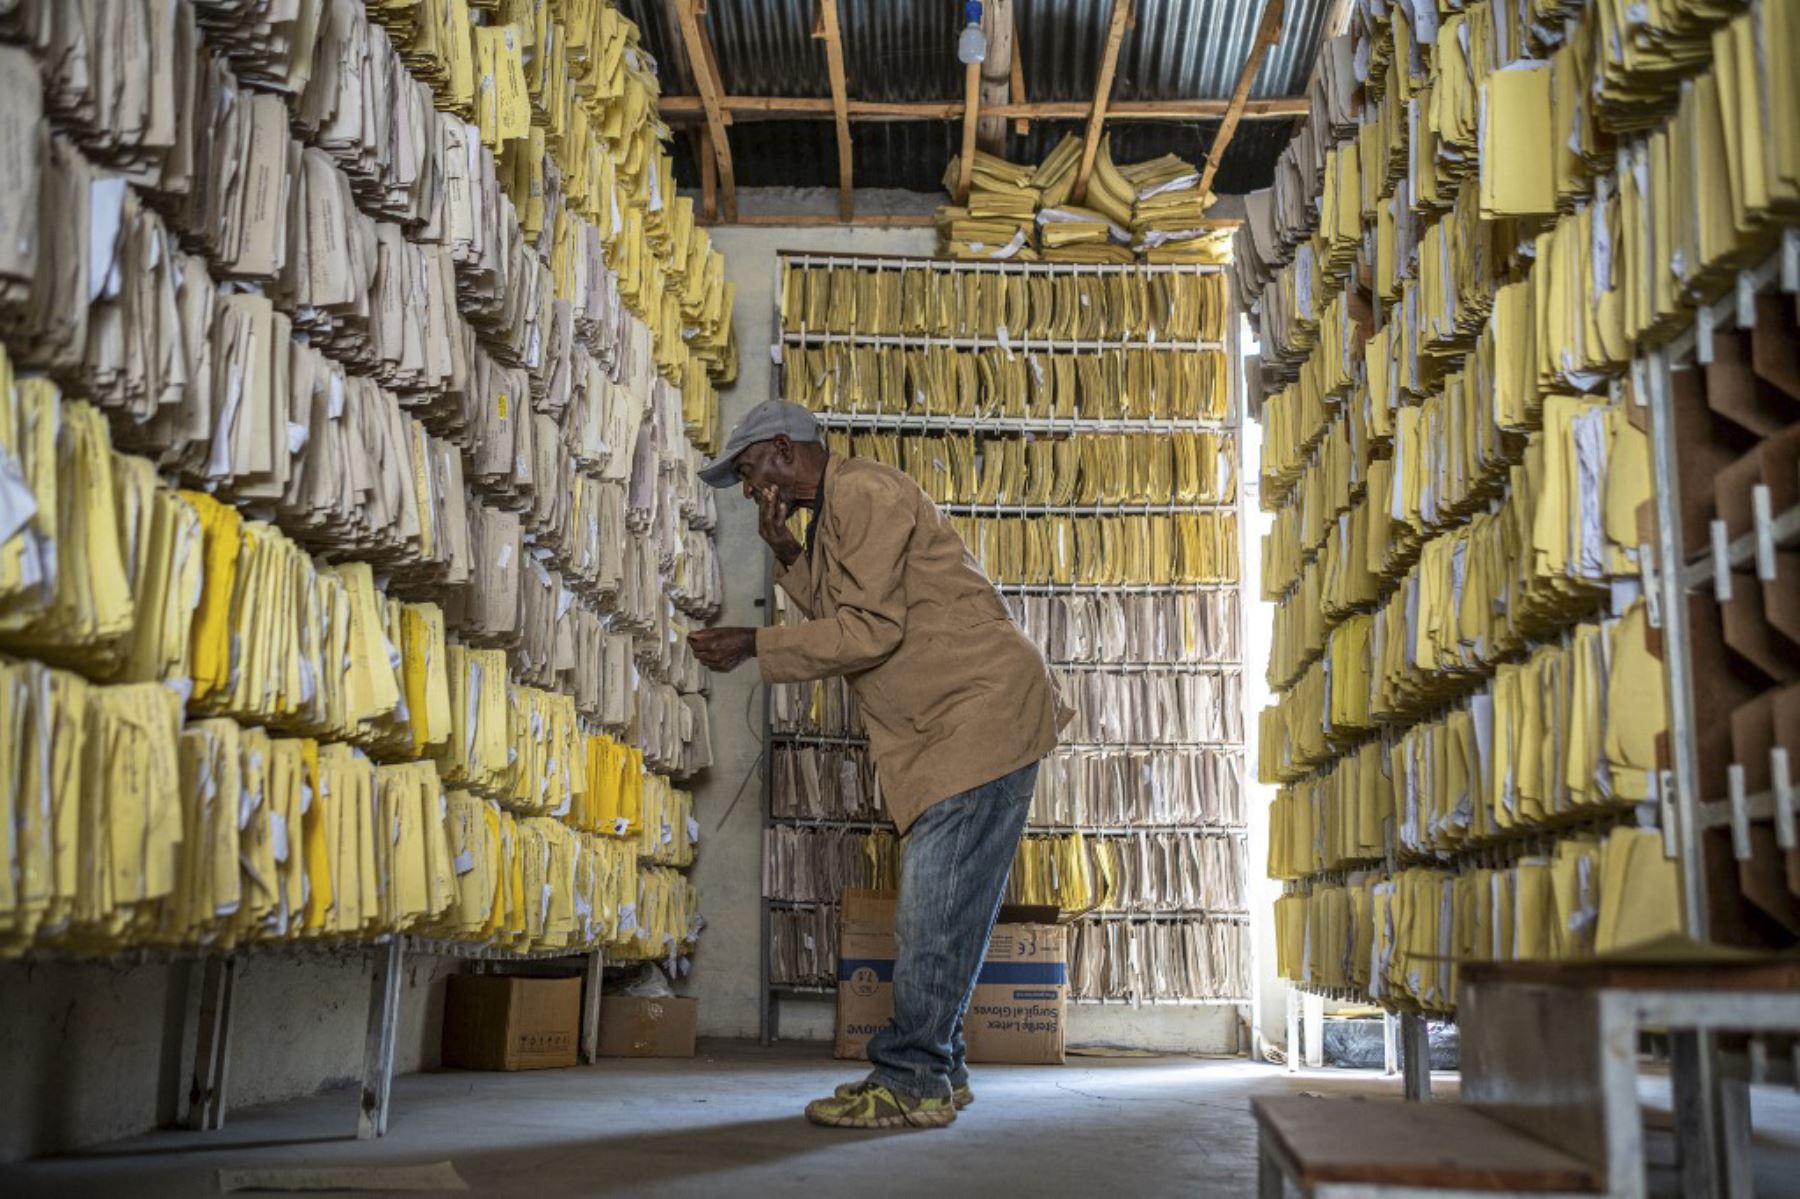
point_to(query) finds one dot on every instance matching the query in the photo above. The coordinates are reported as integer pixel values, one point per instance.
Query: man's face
(768, 464)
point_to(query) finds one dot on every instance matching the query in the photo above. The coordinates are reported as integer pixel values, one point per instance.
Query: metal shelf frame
(203, 1106)
(772, 993)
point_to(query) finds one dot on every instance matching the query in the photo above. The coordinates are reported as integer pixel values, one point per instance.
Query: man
(959, 707)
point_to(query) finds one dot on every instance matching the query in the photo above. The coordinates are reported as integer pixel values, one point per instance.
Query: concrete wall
(93, 1050)
(728, 873)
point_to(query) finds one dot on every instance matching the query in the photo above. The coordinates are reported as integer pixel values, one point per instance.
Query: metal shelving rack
(772, 992)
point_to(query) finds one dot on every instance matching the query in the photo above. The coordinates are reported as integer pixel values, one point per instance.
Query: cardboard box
(634, 1027)
(1019, 1010)
(507, 1022)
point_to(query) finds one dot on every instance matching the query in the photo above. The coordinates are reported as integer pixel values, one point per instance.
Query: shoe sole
(882, 1122)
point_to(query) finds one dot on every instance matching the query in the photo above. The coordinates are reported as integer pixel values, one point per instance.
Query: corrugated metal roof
(904, 50)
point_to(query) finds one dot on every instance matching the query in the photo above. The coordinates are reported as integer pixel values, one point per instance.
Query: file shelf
(1453, 312)
(359, 437)
(800, 276)
(904, 423)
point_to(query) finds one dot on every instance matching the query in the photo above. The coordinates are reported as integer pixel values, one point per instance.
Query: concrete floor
(729, 1123)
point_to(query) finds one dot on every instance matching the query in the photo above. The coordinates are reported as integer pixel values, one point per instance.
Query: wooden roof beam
(1109, 62)
(681, 109)
(706, 77)
(1268, 32)
(840, 101)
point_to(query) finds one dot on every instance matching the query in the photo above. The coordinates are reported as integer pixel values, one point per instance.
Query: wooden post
(1109, 62)
(971, 107)
(706, 77)
(840, 111)
(996, 73)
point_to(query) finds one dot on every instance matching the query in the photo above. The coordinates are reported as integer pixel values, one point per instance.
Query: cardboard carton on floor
(1021, 997)
(634, 1027)
(504, 1022)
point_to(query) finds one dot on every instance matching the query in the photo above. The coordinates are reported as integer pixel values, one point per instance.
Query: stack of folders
(1547, 740)
(919, 298)
(997, 219)
(459, 366)
(1015, 382)
(1198, 627)
(1159, 958)
(1183, 548)
(1399, 938)
(219, 833)
(1136, 709)
(1107, 788)
(1125, 469)
(803, 946)
(1139, 872)
(1150, 209)
(1113, 788)
(667, 829)
(824, 782)
(1152, 707)
(814, 863)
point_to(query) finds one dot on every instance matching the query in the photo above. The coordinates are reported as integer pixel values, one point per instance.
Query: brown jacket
(952, 693)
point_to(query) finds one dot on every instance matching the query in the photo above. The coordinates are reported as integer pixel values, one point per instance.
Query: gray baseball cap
(765, 422)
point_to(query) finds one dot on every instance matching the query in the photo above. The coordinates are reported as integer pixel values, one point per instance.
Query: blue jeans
(952, 877)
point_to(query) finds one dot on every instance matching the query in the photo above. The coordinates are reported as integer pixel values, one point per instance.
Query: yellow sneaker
(962, 1097)
(871, 1105)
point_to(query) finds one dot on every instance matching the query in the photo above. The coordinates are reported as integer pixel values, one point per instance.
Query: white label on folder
(465, 862)
(18, 504)
(628, 918)
(693, 830)
(620, 826)
(297, 437)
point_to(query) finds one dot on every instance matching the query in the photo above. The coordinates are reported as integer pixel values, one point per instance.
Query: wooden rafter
(971, 113)
(1096, 117)
(1268, 32)
(684, 109)
(706, 77)
(709, 176)
(840, 101)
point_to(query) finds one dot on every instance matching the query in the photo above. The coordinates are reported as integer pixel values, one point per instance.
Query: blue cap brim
(720, 473)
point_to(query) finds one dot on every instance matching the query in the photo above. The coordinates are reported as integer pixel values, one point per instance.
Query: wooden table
(1551, 1048)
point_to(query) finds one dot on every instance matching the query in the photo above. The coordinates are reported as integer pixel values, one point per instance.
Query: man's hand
(772, 517)
(723, 650)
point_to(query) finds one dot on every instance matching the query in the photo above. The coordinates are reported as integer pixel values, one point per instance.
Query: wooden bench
(1365, 1148)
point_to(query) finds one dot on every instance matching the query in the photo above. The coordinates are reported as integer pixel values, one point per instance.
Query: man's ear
(784, 448)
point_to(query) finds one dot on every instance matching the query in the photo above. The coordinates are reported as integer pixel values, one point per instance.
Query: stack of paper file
(1388, 936)
(1159, 959)
(1117, 789)
(815, 863)
(996, 219)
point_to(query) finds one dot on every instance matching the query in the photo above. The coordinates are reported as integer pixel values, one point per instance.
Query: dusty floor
(729, 1123)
